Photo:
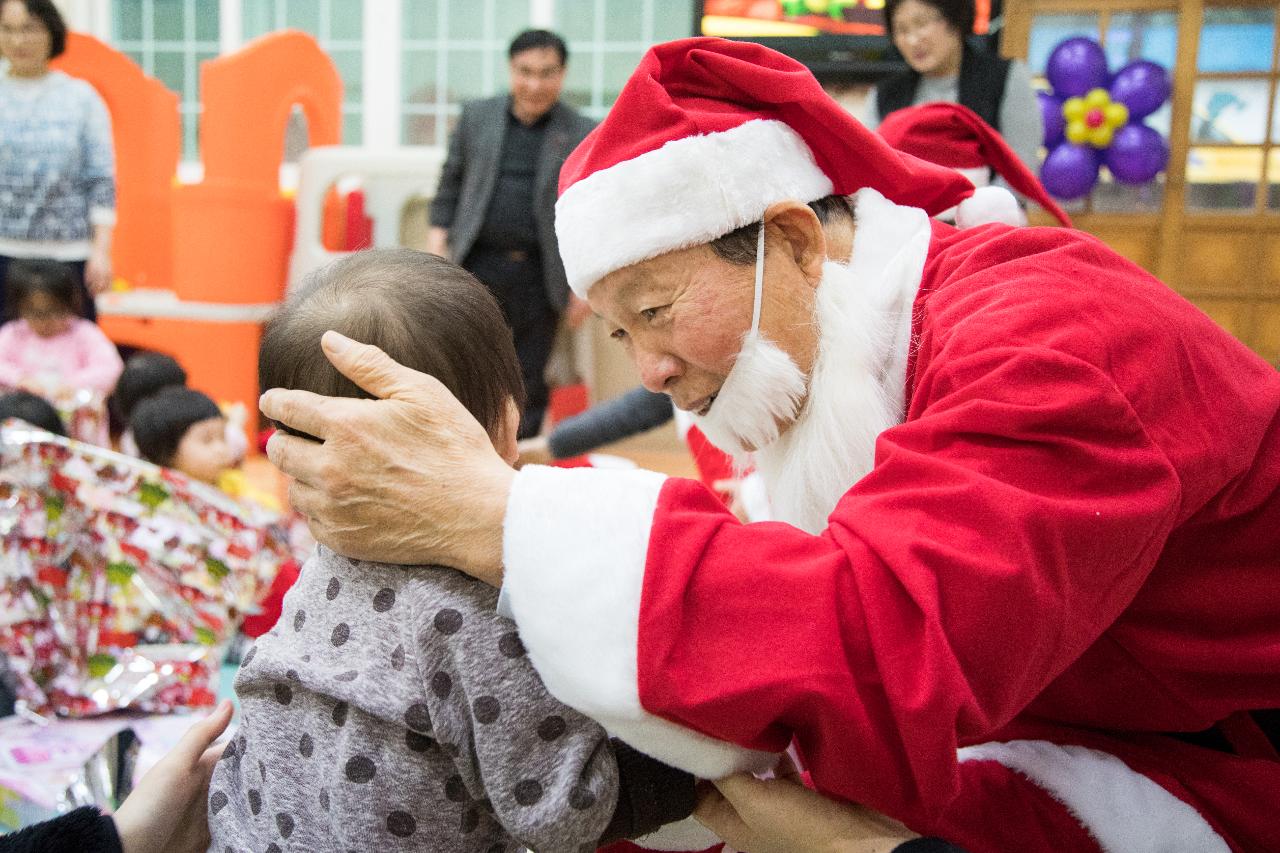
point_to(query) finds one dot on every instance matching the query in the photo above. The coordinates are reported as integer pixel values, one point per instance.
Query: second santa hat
(955, 136)
(704, 137)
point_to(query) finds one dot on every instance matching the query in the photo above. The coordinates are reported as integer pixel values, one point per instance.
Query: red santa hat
(705, 136)
(953, 135)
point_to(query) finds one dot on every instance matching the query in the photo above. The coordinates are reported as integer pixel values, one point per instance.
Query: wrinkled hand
(783, 816)
(97, 272)
(168, 810)
(408, 478)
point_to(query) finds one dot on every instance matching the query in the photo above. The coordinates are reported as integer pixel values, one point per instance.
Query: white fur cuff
(574, 548)
(1123, 810)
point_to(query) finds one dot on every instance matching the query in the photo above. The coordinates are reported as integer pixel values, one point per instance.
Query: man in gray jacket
(494, 210)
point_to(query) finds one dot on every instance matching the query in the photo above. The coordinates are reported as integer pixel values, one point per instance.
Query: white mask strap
(755, 307)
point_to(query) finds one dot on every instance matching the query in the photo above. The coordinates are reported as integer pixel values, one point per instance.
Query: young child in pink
(49, 347)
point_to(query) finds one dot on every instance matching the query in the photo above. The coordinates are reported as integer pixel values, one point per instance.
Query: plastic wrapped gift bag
(120, 582)
(85, 414)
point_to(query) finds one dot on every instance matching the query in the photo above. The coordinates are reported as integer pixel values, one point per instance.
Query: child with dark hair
(46, 346)
(392, 708)
(144, 374)
(32, 409)
(181, 428)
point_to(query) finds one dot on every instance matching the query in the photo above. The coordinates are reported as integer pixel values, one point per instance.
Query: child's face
(45, 315)
(203, 453)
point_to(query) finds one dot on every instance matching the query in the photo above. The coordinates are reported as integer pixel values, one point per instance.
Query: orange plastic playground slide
(201, 265)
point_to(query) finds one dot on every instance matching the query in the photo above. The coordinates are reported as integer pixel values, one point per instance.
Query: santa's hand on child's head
(414, 446)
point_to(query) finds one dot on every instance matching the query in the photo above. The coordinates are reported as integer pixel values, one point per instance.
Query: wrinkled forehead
(612, 294)
(655, 278)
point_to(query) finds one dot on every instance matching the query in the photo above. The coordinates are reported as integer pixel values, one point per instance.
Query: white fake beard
(764, 387)
(831, 445)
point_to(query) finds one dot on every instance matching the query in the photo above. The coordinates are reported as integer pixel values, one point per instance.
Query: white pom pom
(989, 204)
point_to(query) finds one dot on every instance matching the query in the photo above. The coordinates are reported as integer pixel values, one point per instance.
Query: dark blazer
(471, 170)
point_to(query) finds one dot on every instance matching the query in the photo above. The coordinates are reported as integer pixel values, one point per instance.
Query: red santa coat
(1075, 528)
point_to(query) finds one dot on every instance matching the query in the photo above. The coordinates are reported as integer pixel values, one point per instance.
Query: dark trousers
(87, 308)
(515, 280)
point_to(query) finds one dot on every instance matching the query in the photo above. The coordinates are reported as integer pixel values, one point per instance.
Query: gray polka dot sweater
(392, 709)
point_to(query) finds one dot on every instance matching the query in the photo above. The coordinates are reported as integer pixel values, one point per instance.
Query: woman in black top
(943, 66)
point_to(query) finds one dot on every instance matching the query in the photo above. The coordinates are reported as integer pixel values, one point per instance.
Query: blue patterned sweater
(56, 163)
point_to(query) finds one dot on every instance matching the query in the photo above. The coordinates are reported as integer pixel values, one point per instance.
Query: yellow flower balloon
(1094, 119)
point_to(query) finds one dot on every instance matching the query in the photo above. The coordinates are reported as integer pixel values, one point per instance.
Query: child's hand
(168, 811)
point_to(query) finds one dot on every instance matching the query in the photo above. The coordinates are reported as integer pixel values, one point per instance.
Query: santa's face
(682, 316)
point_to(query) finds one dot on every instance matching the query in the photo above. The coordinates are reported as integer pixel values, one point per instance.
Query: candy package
(121, 583)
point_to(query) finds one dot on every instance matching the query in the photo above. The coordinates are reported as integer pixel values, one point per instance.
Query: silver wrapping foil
(121, 583)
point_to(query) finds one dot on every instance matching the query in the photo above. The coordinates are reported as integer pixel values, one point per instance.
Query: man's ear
(800, 228)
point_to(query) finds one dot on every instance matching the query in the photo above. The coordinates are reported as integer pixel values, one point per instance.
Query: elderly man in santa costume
(1024, 592)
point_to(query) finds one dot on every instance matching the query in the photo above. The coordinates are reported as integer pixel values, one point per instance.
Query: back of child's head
(32, 409)
(423, 311)
(144, 374)
(160, 421)
(28, 276)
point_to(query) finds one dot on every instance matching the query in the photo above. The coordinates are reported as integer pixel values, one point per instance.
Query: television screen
(770, 19)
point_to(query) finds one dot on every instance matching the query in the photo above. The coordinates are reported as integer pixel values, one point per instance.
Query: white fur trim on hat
(1123, 810)
(688, 192)
(574, 549)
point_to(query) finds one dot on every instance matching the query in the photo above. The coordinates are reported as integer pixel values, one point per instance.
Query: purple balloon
(1070, 171)
(1137, 154)
(1076, 66)
(1142, 86)
(1054, 124)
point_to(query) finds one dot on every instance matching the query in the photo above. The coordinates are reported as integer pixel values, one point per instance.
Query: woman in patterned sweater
(57, 184)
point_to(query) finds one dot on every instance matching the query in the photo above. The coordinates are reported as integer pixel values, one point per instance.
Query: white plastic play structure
(390, 182)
